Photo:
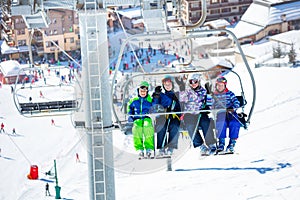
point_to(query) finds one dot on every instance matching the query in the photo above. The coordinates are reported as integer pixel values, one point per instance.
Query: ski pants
(163, 126)
(227, 120)
(191, 121)
(143, 134)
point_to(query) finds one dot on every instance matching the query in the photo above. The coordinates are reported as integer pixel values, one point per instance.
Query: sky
(266, 164)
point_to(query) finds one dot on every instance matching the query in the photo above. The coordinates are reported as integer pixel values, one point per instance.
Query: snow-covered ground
(266, 165)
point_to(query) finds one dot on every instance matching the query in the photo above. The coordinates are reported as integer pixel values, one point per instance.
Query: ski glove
(130, 119)
(208, 88)
(157, 91)
(180, 83)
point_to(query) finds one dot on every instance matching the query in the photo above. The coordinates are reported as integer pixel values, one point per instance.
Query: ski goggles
(143, 89)
(193, 81)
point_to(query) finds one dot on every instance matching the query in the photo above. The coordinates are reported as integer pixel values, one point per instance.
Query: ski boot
(204, 150)
(213, 149)
(148, 153)
(141, 154)
(170, 151)
(221, 145)
(230, 147)
(161, 152)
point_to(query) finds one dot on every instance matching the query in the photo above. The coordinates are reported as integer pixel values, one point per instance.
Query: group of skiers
(191, 104)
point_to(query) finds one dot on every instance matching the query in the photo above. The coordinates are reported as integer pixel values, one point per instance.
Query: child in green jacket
(142, 130)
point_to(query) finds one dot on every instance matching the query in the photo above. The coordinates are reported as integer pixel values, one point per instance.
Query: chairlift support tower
(97, 106)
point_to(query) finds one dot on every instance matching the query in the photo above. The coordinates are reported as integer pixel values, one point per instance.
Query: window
(194, 5)
(22, 32)
(71, 40)
(226, 10)
(21, 42)
(54, 21)
(214, 1)
(215, 11)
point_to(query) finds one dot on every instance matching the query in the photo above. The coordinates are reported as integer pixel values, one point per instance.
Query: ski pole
(165, 136)
(169, 119)
(196, 128)
(238, 120)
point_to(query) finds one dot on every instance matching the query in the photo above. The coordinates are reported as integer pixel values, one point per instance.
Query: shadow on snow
(261, 170)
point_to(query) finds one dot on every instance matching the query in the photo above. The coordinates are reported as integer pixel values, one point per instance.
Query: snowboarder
(226, 99)
(2, 128)
(52, 122)
(142, 130)
(167, 123)
(195, 99)
(47, 190)
(14, 131)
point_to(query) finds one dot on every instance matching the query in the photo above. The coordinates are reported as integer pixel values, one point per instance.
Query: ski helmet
(195, 78)
(168, 78)
(222, 80)
(145, 84)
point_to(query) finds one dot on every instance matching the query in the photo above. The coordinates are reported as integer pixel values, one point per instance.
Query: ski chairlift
(37, 94)
(204, 59)
(205, 49)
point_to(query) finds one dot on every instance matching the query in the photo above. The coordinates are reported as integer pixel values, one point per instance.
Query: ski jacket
(225, 99)
(139, 106)
(166, 100)
(194, 100)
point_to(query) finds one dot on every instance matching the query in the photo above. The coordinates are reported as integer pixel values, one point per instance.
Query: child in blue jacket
(227, 118)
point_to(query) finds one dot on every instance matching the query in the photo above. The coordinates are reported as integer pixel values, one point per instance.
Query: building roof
(131, 12)
(216, 24)
(10, 68)
(5, 49)
(263, 13)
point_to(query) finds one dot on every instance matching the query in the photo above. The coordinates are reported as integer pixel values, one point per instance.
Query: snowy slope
(267, 164)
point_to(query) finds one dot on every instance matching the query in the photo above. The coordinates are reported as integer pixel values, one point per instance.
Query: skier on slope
(167, 123)
(142, 130)
(195, 99)
(224, 98)
(2, 128)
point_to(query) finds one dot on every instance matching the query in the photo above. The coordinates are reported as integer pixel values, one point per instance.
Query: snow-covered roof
(10, 67)
(263, 13)
(291, 11)
(131, 12)
(219, 23)
(244, 29)
(288, 38)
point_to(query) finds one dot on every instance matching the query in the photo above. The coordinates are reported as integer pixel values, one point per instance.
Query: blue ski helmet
(222, 79)
(168, 78)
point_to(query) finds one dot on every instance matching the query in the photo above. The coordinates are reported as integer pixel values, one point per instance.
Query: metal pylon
(94, 61)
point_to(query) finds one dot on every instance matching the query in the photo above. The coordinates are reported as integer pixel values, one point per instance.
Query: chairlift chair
(30, 89)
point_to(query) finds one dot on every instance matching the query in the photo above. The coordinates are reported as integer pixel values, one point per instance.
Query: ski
(163, 156)
(145, 157)
(224, 153)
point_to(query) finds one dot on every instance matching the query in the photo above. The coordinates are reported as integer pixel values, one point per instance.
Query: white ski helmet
(195, 77)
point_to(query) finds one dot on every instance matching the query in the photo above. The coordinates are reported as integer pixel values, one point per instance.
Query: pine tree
(277, 52)
(292, 54)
